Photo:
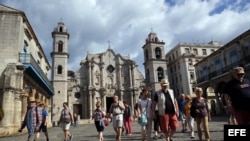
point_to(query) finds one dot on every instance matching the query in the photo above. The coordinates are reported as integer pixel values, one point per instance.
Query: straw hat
(164, 82)
(32, 99)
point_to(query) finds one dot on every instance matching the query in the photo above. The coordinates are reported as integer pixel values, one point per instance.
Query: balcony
(34, 70)
(242, 61)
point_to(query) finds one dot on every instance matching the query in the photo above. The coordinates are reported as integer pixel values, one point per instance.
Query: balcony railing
(29, 59)
(223, 70)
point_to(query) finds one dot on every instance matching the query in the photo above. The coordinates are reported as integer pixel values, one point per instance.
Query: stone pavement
(87, 132)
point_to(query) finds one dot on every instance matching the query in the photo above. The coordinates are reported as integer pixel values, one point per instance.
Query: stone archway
(211, 99)
(219, 90)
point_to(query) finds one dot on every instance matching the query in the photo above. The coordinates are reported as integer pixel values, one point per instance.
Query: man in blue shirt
(43, 126)
(182, 118)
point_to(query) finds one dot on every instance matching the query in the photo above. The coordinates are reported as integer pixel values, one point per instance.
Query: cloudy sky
(127, 23)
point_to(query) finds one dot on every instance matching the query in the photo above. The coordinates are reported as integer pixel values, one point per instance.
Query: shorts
(65, 125)
(168, 121)
(98, 126)
(182, 116)
(43, 128)
(117, 121)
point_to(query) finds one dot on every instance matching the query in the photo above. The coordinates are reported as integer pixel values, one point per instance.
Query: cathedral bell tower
(154, 61)
(59, 57)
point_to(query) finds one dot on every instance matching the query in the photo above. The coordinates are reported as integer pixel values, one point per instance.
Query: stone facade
(104, 75)
(24, 69)
(181, 60)
(154, 62)
(59, 73)
(214, 71)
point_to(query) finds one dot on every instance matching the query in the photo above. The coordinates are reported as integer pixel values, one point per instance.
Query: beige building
(154, 61)
(180, 63)
(24, 69)
(213, 72)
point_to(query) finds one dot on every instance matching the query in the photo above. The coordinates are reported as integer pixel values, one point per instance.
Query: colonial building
(104, 75)
(24, 69)
(214, 71)
(154, 61)
(180, 63)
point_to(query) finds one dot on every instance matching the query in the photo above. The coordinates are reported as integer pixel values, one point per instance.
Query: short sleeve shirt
(239, 94)
(65, 114)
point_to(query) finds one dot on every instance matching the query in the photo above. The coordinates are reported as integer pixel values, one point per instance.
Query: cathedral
(99, 78)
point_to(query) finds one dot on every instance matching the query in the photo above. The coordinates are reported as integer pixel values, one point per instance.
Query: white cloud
(126, 24)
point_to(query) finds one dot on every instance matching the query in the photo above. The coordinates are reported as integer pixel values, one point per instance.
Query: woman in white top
(145, 107)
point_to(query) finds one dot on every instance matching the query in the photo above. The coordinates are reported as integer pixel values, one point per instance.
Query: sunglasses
(240, 74)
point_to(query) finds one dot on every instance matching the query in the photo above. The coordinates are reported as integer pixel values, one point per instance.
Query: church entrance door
(109, 101)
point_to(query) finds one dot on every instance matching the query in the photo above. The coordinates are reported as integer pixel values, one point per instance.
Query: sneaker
(192, 135)
(71, 137)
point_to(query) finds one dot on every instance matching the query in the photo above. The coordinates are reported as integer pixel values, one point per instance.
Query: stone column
(8, 107)
(90, 73)
(33, 93)
(90, 103)
(25, 96)
(17, 108)
(122, 94)
(119, 76)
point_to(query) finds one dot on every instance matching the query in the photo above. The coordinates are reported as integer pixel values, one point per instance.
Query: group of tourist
(163, 109)
(36, 120)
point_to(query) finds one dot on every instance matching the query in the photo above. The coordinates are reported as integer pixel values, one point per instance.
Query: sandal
(155, 137)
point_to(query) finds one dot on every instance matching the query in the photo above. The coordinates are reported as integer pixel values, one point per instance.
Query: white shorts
(65, 126)
(117, 120)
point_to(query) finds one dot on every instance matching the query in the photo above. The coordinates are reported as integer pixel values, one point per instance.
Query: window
(195, 51)
(218, 65)
(59, 70)
(147, 75)
(40, 54)
(60, 46)
(212, 50)
(146, 54)
(160, 74)
(204, 52)
(192, 75)
(187, 51)
(110, 68)
(233, 57)
(27, 33)
(60, 29)
(25, 46)
(158, 53)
